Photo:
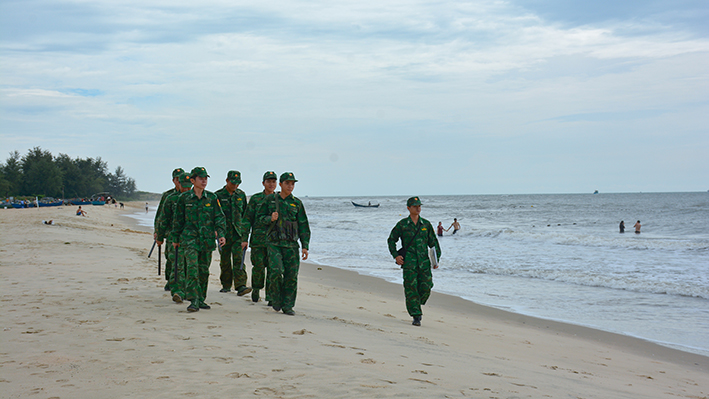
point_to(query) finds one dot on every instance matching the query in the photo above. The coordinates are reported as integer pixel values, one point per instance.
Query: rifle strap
(410, 241)
(273, 224)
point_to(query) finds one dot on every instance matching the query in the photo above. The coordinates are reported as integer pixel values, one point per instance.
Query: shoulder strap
(412, 239)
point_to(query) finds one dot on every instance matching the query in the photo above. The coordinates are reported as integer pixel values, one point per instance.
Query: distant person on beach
(439, 229)
(80, 212)
(233, 203)
(146, 207)
(176, 189)
(287, 224)
(258, 241)
(175, 274)
(637, 227)
(197, 218)
(455, 226)
(622, 226)
(416, 235)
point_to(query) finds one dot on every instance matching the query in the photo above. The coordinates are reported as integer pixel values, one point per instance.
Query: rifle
(151, 249)
(159, 259)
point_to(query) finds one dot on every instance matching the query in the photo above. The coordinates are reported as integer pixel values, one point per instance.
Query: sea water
(559, 257)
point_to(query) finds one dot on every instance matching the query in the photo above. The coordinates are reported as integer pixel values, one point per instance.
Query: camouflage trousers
(259, 260)
(230, 264)
(177, 277)
(418, 282)
(169, 261)
(196, 274)
(283, 265)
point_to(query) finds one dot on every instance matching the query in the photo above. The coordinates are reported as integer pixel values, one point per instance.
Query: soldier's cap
(176, 172)
(234, 177)
(269, 175)
(287, 176)
(413, 201)
(184, 180)
(199, 171)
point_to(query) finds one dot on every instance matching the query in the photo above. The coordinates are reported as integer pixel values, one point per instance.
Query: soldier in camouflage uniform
(417, 235)
(233, 203)
(198, 220)
(259, 250)
(288, 223)
(164, 225)
(168, 262)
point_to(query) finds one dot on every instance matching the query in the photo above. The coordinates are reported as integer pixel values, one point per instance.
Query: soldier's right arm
(165, 221)
(264, 211)
(393, 238)
(178, 219)
(160, 206)
(247, 222)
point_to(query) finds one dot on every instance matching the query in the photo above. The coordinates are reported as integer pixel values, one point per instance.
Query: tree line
(39, 173)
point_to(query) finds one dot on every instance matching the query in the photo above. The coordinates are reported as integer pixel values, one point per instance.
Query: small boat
(80, 202)
(98, 202)
(370, 205)
(595, 192)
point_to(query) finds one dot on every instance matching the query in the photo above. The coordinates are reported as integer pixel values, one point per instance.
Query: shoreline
(86, 311)
(643, 346)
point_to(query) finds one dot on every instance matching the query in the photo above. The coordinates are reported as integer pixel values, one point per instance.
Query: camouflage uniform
(194, 225)
(418, 280)
(234, 208)
(163, 226)
(259, 249)
(158, 214)
(282, 242)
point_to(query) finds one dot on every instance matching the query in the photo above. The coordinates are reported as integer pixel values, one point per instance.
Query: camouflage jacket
(162, 204)
(253, 226)
(196, 220)
(234, 208)
(417, 244)
(292, 224)
(163, 221)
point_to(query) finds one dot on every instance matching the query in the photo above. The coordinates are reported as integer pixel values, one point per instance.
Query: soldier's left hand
(222, 241)
(244, 245)
(305, 254)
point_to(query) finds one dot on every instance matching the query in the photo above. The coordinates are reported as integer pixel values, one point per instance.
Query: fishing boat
(370, 205)
(80, 202)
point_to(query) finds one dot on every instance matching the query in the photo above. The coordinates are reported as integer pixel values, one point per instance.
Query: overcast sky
(365, 98)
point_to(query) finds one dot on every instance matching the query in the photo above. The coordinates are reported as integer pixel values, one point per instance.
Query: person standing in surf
(637, 227)
(417, 235)
(455, 226)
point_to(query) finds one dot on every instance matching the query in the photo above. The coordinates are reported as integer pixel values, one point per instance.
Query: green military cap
(234, 177)
(413, 201)
(269, 175)
(185, 180)
(176, 172)
(199, 171)
(287, 176)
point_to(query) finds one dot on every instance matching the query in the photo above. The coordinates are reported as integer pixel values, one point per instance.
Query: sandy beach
(86, 317)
